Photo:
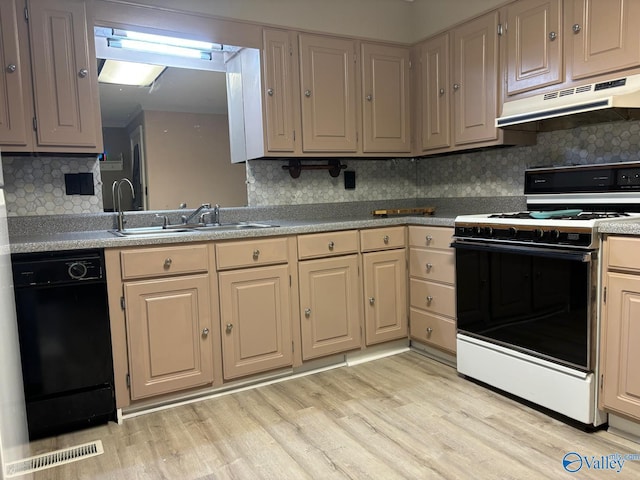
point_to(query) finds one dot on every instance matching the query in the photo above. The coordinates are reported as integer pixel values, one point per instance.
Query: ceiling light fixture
(129, 73)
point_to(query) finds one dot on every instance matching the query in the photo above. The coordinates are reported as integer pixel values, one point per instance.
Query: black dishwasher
(65, 340)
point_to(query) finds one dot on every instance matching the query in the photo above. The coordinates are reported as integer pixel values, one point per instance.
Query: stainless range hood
(617, 99)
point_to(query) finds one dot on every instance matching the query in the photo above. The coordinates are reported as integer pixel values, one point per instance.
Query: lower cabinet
(168, 325)
(255, 320)
(620, 356)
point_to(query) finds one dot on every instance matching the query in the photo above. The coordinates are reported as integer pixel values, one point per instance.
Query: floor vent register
(54, 459)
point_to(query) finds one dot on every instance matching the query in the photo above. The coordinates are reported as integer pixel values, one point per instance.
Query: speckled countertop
(71, 232)
(625, 227)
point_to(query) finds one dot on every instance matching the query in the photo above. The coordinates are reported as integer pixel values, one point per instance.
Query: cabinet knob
(205, 332)
(270, 92)
(167, 262)
(307, 93)
(11, 68)
(429, 331)
(429, 300)
(553, 36)
(576, 28)
(331, 245)
(369, 97)
(441, 91)
(83, 73)
(229, 327)
(456, 86)
(256, 254)
(385, 239)
(429, 238)
(372, 300)
(429, 267)
(307, 312)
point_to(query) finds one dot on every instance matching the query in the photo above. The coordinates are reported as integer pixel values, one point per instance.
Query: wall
(488, 173)
(203, 175)
(116, 143)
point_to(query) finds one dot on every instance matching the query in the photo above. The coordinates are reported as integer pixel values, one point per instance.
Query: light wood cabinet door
(385, 98)
(621, 382)
(279, 91)
(534, 45)
(604, 35)
(168, 324)
(385, 293)
(329, 306)
(64, 75)
(436, 93)
(475, 80)
(255, 320)
(15, 77)
(328, 94)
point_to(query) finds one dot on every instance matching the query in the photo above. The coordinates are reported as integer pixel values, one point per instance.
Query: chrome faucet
(186, 219)
(117, 187)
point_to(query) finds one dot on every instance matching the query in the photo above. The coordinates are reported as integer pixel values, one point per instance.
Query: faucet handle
(165, 220)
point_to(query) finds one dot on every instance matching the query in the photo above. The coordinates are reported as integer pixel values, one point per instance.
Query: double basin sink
(178, 229)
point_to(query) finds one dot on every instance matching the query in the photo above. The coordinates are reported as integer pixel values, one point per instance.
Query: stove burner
(581, 216)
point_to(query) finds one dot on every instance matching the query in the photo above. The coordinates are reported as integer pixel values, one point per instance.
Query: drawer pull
(256, 254)
(229, 327)
(372, 300)
(331, 245)
(167, 262)
(429, 267)
(429, 238)
(429, 331)
(11, 68)
(429, 300)
(386, 239)
(205, 332)
(307, 312)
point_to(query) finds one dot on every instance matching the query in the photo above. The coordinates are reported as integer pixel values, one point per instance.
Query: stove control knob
(538, 233)
(477, 230)
(488, 231)
(513, 232)
(554, 234)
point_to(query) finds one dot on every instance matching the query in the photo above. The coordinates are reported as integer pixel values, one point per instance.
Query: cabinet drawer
(624, 252)
(433, 297)
(163, 261)
(382, 238)
(431, 237)
(327, 244)
(433, 329)
(249, 253)
(436, 265)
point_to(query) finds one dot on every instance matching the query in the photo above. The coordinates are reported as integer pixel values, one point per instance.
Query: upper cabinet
(533, 44)
(60, 92)
(385, 98)
(435, 107)
(603, 36)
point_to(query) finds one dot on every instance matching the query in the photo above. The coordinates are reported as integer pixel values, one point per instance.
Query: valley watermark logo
(574, 462)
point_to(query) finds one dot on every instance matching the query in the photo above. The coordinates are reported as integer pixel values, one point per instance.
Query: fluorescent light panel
(141, 46)
(129, 73)
(164, 40)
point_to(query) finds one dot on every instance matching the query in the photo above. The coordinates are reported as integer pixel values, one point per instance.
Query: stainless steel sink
(149, 231)
(234, 226)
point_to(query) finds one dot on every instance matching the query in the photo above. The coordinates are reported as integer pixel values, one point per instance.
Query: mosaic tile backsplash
(35, 185)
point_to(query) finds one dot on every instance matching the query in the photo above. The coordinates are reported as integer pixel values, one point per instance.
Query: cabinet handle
(307, 93)
(256, 254)
(229, 327)
(456, 86)
(83, 73)
(553, 36)
(429, 331)
(331, 245)
(429, 300)
(11, 68)
(167, 262)
(205, 332)
(576, 28)
(307, 312)
(270, 92)
(385, 239)
(429, 238)
(441, 91)
(429, 267)
(372, 300)
(369, 97)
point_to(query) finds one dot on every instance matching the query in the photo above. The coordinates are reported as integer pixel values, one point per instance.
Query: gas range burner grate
(580, 216)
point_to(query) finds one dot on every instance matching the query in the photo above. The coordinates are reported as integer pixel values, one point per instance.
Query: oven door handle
(584, 257)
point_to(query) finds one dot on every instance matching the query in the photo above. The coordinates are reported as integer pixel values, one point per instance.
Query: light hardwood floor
(404, 416)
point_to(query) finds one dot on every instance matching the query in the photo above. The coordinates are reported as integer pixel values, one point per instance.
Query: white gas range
(527, 287)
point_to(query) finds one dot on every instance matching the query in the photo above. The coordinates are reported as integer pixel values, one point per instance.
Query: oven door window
(528, 300)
